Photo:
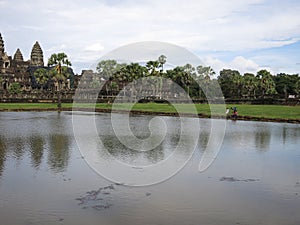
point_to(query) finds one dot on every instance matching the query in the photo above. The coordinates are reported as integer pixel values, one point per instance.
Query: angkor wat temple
(17, 70)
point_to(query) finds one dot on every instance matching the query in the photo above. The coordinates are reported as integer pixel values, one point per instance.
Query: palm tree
(250, 84)
(162, 60)
(205, 71)
(237, 81)
(189, 76)
(297, 87)
(267, 84)
(113, 87)
(152, 67)
(42, 77)
(107, 68)
(205, 74)
(137, 72)
(120, 77)
(170, 74)
(229, 81)
(60, 72)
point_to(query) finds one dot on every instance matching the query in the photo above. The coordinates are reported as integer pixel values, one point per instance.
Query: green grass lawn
(269, 111)
(16, 106)
(265, 111)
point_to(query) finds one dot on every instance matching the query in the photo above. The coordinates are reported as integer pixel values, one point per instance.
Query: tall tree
(205, 74)
(162, 60)
(182, 77)
(189, 76)
(250, 85)
(229, 81)
(42, 77)
(152, 67)
(133, 72)
(297, 87)
(266, 84)
(285, 84)
(107, 68)
(60, 73)
(152, 70)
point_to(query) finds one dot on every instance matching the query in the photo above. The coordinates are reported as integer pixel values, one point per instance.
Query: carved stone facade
(17, 70)
(12, 70)
(18, 56)
(5, 60)
(36, 57)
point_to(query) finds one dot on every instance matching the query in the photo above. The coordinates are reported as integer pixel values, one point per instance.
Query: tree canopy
(200, 81)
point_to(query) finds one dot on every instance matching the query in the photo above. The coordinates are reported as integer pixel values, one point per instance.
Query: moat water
(44, 179)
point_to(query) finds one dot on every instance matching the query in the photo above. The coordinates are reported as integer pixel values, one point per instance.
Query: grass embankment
(29, 106)
(248, 112)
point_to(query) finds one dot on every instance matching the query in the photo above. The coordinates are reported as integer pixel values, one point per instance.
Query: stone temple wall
(17, 70)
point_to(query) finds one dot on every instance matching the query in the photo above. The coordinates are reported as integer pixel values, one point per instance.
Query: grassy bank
(29, 106)
(245, 111)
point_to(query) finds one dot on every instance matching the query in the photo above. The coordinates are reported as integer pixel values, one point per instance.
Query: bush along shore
(270, 113)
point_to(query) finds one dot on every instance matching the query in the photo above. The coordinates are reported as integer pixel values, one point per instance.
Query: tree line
(233, 84)
(116, 76)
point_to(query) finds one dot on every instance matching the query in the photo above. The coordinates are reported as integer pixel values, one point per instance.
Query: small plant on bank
(15, 88)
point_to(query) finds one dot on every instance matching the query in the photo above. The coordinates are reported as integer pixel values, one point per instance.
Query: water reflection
(37, 143)
(2, 154)
(18, 148)
(139, 126)
(49, 138)
(127, 155)
(43, 137)
(266, 152)
(288, 133)
(58, 156)
(263, 138)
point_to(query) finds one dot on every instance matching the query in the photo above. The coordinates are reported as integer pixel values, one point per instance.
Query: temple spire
(18, 56)
(37, 58)
(1, 45)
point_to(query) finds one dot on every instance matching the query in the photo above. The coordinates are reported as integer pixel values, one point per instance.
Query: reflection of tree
(289, 134)
(284, 134)
(262, 139)
(58, 156)
(36, 149)
(203, 140)
(112, 145)
(18, 148)
(2, 154)
(155, 155)
(127, 155)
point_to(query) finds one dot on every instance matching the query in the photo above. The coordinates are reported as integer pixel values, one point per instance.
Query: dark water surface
(44, 180)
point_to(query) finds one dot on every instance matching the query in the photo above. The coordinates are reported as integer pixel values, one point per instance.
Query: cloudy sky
(247, 35)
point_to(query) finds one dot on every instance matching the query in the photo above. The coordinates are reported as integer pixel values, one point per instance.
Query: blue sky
(247, 35)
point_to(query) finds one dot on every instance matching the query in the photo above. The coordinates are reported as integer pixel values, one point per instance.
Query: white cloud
(96, 47)
(206, 25)
(239, 63)
(244, 65)
(57, 48)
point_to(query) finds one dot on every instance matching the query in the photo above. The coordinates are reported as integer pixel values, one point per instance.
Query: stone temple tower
(4, 59)
(36, 57)
(1, 46)
(18, 56)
